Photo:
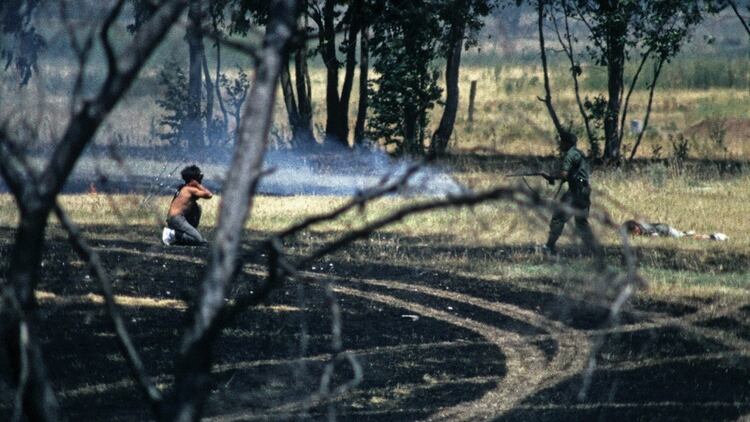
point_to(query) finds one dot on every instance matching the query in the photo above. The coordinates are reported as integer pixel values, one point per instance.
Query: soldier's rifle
(529, 174)
(550, 179)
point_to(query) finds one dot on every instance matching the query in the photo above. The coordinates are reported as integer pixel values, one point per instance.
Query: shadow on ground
(421, 352)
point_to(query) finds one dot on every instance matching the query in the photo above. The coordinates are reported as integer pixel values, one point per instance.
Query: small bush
(680, 151)
(174, 103)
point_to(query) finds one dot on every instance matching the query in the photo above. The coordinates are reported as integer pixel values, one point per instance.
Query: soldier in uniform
(575, 171)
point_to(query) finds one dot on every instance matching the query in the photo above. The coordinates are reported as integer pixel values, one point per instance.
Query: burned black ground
(428, 340)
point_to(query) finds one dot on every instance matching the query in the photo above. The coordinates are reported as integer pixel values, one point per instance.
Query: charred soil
(432, 344)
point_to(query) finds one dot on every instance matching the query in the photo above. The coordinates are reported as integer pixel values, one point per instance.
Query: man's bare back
(186, 198)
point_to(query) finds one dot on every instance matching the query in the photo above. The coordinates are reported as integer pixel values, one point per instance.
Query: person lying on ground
(184, 212)
(641, 228)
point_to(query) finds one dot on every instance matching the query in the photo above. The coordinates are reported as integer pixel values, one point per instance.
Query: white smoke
(329, 171)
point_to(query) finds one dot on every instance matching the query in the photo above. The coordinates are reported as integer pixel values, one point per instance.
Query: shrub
(174, 103)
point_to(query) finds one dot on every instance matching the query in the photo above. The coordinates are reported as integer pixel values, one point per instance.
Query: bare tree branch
(23, 375)
(36, 200)
(34, 395)
(733, 5)
(82, 53)
(657, 70)
(194, 363)
(575, 69)
(521, 197)
(326, 392)
(104, 37)
(644, 58)
(13, 170)
(250, 50)
(86, 122)
(547, 100)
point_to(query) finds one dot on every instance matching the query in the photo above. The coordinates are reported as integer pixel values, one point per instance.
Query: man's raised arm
(199, 190)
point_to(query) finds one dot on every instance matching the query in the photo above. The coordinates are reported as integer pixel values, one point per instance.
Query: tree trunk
(304, 106)
(411, 142)
(219, 99)
(547, 100)
(209, 96)
(36, 196)
(290, 102)
(442, 135)
(652, 89)
(351, 63)
(334, 128)
(39, 402)
(193, 378)
(617, 31)
(364, 53)
(194, 126)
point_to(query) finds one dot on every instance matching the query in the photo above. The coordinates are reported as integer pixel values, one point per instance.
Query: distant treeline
(688, 71)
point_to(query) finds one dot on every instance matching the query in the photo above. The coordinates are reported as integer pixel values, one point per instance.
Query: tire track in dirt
(521, 357)
(572, 344)
(525, 362)
(528, 371)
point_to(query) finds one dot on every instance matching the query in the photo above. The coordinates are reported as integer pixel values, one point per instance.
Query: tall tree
(461, 18)
(296, 92)
(193, 130)
(295, 87)
(36, 196)
(332, 18)
(619, 31)
(403, 47)
(364, 72)
(194, 36)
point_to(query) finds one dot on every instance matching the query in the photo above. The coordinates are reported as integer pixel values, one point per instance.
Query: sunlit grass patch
(127, 301)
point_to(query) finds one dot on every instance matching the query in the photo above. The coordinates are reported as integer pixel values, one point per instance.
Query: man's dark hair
(633, 227)
(192, 173)
(567, 138)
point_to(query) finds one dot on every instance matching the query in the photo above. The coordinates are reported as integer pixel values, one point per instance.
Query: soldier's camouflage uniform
(578, 197)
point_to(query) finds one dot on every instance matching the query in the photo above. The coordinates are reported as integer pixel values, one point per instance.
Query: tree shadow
(273, 355)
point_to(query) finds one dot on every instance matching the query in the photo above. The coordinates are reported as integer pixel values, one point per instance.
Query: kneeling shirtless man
(184, 212)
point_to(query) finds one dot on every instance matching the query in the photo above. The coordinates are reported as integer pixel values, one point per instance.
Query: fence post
(472, 96)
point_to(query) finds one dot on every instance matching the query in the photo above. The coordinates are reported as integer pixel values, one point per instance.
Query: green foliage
(657, 174)
(596, 109)
(403, 48)
(658, 26)
(174, 103)
(620, 31)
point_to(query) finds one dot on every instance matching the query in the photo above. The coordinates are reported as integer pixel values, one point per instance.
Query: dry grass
(508, 117)
(688, 203)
